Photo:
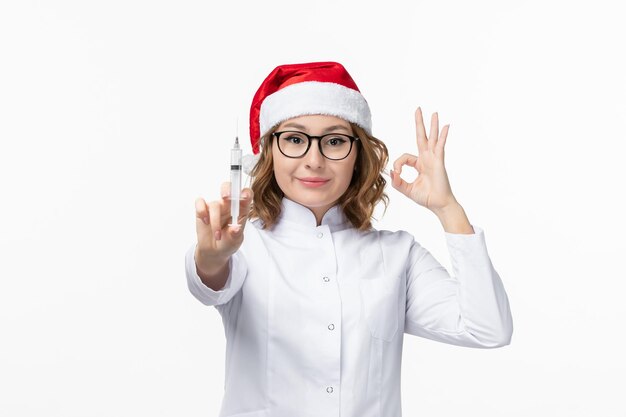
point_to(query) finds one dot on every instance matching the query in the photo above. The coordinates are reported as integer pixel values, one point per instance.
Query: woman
(315, 302)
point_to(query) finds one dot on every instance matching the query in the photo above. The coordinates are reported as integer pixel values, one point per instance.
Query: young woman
(315, 302)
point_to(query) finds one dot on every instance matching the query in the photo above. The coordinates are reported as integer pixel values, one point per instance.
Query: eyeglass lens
(333, 146)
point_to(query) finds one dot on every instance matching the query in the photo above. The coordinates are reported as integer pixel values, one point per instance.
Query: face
(313, 180)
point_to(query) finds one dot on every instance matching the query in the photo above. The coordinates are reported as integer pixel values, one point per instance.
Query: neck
(319, 213)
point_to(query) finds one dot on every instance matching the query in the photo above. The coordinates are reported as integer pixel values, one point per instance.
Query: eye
(294, 139)
(335, 140)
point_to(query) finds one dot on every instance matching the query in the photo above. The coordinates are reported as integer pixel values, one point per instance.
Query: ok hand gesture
(431, 188)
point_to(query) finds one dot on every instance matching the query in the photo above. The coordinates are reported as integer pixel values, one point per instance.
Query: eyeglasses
(333, 146)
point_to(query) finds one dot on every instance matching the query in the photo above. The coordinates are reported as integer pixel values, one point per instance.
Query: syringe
(235, 182)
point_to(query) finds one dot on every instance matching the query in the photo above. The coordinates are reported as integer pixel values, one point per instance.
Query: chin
(311, 200)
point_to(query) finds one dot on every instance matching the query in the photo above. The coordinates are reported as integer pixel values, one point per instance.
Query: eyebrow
(328, 129)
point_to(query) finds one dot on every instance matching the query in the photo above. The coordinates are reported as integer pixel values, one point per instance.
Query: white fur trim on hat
(315, 97)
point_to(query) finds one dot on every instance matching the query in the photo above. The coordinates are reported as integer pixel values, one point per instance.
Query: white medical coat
(314, 316)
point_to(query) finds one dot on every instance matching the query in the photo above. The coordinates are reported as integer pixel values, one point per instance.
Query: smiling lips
(313, 181)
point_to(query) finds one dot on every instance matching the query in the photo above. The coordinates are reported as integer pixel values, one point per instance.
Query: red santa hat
(311, 88)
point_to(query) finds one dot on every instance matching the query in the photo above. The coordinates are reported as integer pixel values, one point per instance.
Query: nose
(314, 158)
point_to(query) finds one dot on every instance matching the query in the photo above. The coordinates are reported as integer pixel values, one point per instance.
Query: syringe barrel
(235, 157)
(235, 183)
(235, 173)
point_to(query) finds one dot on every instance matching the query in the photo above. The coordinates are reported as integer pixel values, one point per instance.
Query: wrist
(209, 264)
(454, 220)
(453, 207)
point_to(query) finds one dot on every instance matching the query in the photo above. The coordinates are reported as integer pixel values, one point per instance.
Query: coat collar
(296, 216)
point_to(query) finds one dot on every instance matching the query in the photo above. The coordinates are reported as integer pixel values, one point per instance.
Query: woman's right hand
(216, 239)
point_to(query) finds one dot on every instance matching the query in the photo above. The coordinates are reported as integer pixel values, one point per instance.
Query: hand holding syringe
(219, 232)
(217, 240)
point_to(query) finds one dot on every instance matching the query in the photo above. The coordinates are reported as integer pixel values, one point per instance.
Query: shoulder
(396, 249)
(252, 232)
(389, 238)
(256, 222)
(390, 234)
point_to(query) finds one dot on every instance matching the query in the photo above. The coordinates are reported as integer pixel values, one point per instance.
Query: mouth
(313, 182)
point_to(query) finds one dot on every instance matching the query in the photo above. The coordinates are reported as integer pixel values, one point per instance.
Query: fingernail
(205, 220)
(218, 235)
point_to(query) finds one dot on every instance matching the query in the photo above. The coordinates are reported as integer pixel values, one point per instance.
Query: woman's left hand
(431, 188)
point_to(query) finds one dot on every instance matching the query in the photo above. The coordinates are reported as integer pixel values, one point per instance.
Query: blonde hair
(366, 189)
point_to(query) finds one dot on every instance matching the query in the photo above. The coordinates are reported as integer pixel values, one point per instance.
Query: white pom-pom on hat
(248, 162)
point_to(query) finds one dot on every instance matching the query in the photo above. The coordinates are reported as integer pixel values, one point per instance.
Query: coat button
(326, 279)
(329, 389)
(331, 326)
(320, 235)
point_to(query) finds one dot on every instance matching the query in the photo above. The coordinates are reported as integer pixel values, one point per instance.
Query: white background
(115, 116)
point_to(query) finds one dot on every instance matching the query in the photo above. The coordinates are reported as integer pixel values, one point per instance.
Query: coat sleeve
(470, 309)
(237, 273)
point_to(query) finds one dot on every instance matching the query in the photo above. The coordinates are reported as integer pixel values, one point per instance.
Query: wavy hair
(366, 189)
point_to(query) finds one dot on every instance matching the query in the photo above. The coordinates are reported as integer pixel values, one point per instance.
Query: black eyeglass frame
(319, 143)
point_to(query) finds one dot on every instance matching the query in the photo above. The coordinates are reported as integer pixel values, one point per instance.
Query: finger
(420, 131)
(202, 212)
(215, 218)
(404, 159)
(246, 201)
(225, 190)
(244, 209)
(434, 131)
(399, 184)
(234, 231)
(442, 140)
